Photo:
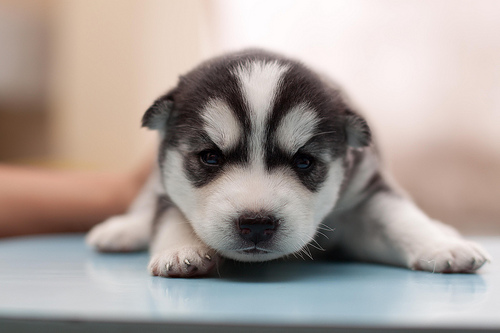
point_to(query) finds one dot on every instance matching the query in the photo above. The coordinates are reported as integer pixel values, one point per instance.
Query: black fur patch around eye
(301, 86)
(201, 174)
(312, 178)
(198, 173)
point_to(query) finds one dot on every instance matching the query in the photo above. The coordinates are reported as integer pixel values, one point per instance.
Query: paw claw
(183, 262)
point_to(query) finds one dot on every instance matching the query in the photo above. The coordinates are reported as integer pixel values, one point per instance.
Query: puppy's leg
(132, 230)
(389, 228)
(176, 251)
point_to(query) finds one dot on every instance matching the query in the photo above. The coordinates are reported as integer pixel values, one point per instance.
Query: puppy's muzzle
(256, 228)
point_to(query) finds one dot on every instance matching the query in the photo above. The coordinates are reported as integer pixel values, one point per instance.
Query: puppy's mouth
(254, 250)
(252, 253)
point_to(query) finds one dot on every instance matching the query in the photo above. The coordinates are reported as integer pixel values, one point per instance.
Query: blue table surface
(59, 278)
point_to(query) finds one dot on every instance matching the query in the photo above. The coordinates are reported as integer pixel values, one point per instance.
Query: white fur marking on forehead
(259, 81)
(296, 128)
(221, 124)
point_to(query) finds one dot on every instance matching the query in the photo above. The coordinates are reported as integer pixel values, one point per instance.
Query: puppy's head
(252, 152)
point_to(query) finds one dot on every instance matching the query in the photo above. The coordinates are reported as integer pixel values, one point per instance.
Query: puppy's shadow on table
(277, 271)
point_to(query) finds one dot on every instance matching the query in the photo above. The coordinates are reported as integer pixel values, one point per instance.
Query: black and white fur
(258, 156)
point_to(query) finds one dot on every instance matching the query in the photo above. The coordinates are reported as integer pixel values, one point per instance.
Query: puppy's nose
(256, 228)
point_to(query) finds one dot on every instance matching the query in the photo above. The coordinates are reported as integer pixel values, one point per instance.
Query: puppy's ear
(156, 116)
(357, 131)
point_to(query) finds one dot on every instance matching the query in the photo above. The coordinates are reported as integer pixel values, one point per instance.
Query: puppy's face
(253, 152)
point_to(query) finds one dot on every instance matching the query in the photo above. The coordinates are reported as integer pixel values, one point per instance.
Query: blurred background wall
(76, 76)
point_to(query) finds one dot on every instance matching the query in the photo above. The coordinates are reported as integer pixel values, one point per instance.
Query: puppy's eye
(211, 157)
(303, 162)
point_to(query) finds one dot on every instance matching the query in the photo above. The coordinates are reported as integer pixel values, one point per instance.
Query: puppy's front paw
(123, 233)
(453, 255)
(184, 262)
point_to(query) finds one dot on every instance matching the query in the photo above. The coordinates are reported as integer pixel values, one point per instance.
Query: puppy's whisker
(322, 234)
(299, 253)
(305, 249)
(317, 246)
(325, 227)
(307, 252)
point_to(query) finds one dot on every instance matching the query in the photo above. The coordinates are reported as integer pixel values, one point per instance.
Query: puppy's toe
(451, 256)
(184, 262)
(119, 234)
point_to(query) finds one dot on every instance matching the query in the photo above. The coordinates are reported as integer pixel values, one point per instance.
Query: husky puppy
(259, 158)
